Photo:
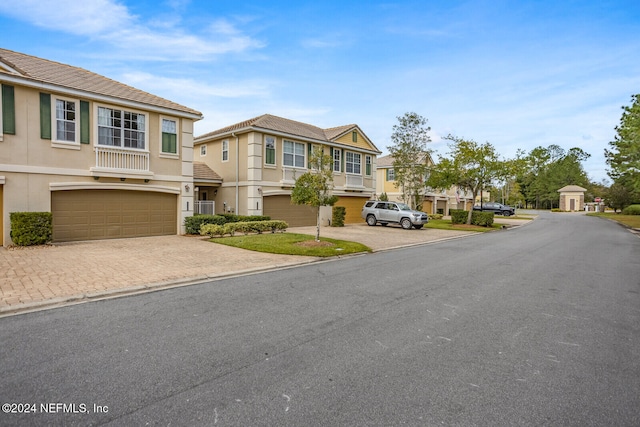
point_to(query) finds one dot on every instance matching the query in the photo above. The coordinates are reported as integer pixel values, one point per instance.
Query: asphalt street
(538, 325)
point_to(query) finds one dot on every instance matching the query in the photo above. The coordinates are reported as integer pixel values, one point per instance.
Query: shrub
(229, 217)
(247, 227)
(337, 217)
(194, 223)
(437, 216)
(484, 219)
(31, 228)
(631, 210)
(458, 216)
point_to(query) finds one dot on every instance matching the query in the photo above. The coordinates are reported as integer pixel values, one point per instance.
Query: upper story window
(225, 150)
(66, 120)
(121, 128)
(353, 163)
(391, 174)
(367, 165)
(169, 137)
(337, 160)
(203, 150)
(269, 150)
(293, 154)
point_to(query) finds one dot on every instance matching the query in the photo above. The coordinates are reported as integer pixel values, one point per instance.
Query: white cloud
(111, 22)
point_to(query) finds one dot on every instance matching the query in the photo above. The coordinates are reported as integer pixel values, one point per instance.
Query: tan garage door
(280, 207)
(354, 208)
(112, 214)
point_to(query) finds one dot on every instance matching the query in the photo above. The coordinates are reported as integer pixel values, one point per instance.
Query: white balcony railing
(205, 207)
(289, 175)
(354, 181)
(112, 158)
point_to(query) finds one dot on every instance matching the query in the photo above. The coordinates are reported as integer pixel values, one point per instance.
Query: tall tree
(470, 165)
(314, 187)
(410, 156)
(623, 157)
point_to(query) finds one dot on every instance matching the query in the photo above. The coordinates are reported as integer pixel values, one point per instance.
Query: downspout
(237, 170)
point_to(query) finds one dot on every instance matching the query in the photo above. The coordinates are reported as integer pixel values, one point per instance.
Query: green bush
(192, 224)
(437, 216)
(337, 217)
(31, 228)
(484, 219)
(631, 210)
(247, 227)
(458, 216)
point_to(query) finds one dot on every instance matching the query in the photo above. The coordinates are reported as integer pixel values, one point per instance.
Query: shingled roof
(204, 173)
(31, 68)
(280, 124)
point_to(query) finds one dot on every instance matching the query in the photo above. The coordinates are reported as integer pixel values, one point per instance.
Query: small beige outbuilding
(571, 198)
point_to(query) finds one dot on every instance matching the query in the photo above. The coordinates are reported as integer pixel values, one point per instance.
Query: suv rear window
(369, 204)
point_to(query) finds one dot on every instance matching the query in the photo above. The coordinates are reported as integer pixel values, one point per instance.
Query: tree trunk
(318, 224)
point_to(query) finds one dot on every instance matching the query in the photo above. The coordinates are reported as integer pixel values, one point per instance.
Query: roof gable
(294, 128)
(572, 189)
(40, 70)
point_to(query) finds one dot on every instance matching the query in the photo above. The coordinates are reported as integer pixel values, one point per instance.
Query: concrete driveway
(35, 277)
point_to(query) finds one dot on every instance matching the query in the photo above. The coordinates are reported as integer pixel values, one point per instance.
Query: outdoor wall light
(186, 188)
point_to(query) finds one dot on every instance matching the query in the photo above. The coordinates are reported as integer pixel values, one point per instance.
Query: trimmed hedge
(31, 228)
(631, 210)
(193, 224)
(246, 227)
(338, 214)
(483, 219)
(435, 216)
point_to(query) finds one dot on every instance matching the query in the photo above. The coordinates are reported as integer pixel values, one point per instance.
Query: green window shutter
(367, 165)
(45, 116)
(342, 160)
(84, 123)
(387, 174)
(308, 156)
(8, 110)
(169, 143)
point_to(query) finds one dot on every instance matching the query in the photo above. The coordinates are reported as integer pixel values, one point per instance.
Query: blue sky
(518, 74)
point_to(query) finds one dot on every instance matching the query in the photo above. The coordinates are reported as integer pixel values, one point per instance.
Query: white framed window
(122, 128)
(391, 174)
(65, 117)
(203, 150)
(269, 150)
(337, 160)
(367, 165)
(352, 163)
(293, 154)
(169, 137)
(225, 150)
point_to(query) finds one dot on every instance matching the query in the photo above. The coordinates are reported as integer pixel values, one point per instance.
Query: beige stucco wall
(33, 167)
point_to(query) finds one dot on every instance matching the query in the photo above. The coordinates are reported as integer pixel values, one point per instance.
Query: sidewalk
(33, 278)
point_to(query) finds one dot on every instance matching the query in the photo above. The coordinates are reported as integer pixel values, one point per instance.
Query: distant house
(259, 159)
(107, 160)
(433, 201)
(571, 198)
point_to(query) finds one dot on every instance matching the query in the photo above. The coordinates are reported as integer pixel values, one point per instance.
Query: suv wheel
(506, 213)
(371, 220)
(406, 223)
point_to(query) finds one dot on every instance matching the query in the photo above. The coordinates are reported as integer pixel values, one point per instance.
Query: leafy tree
(314, 187)
(618, 197)
(410, 155)
(470, 165)
(623, 157)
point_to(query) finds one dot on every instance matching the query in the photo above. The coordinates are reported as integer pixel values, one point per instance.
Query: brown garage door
(112, 214)
(354, 207)
(280, 207)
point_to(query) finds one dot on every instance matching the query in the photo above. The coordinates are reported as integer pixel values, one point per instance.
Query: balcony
(289, 176)
(205, 207)
(354, 182)
(122, 163)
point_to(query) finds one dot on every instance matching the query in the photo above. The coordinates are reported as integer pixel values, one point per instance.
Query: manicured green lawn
(632, 221)
(292, 244)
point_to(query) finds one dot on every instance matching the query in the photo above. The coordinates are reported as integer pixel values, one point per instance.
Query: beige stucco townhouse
(433, 201)
(259, 159)
(106, 159)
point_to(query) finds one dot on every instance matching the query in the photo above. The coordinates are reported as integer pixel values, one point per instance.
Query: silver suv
(393, 212)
